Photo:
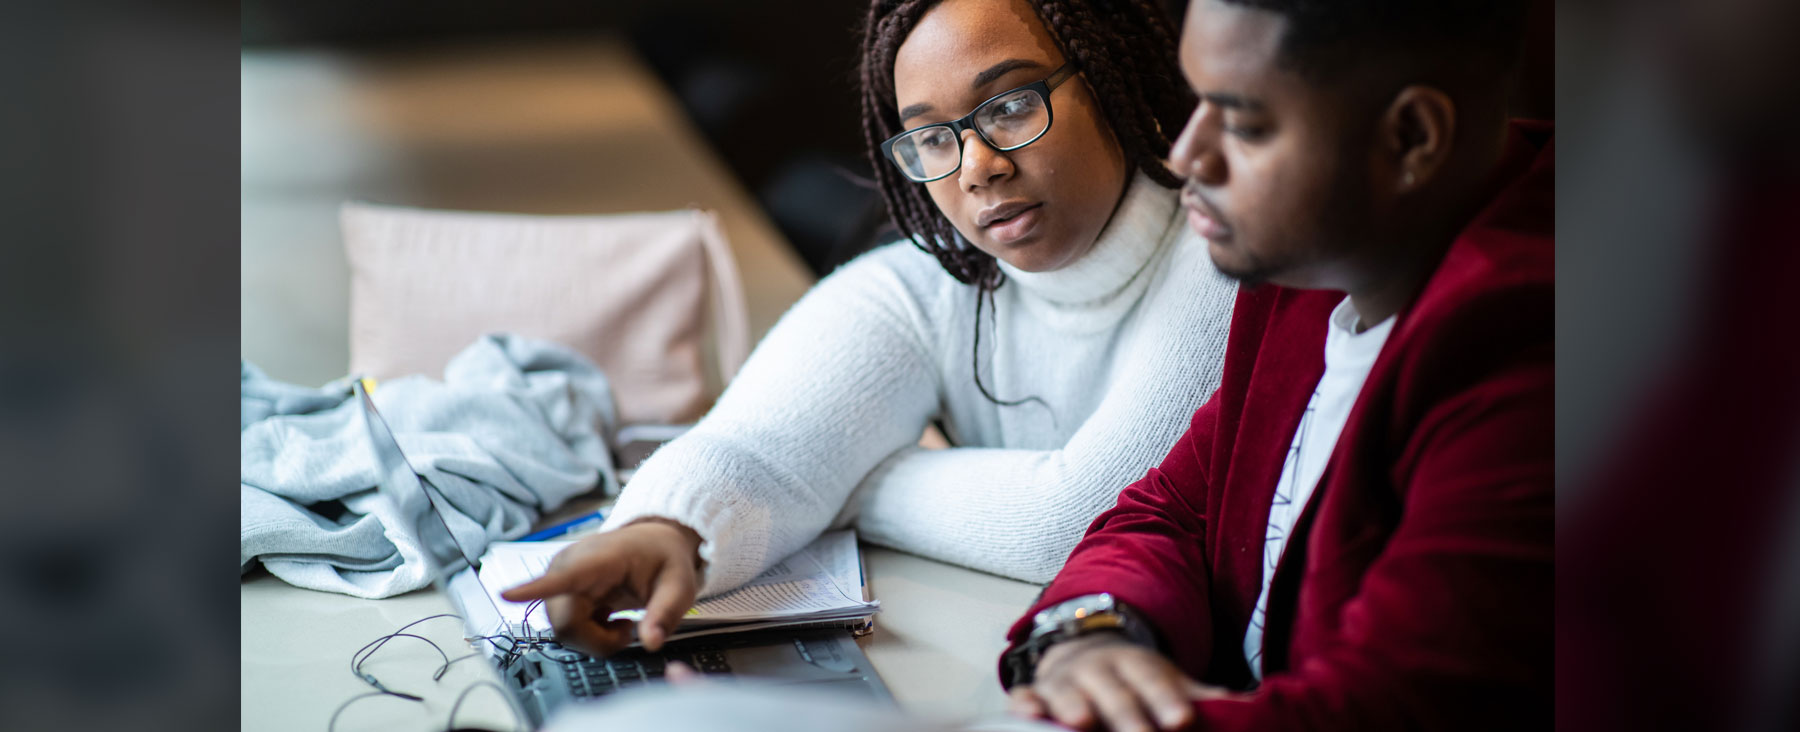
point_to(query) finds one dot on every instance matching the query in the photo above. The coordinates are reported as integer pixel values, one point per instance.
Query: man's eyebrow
(982, 79)
(1232, 101)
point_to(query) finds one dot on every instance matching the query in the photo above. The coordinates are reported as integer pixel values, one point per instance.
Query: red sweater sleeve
(1451, 627)
(1148, 550)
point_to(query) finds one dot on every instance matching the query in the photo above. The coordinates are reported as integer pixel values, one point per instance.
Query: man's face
(1277, 170)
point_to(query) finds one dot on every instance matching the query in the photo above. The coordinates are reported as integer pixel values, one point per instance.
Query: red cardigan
(1420, 592)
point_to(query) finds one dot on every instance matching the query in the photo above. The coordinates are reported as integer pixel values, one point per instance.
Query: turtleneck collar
(1128, 242)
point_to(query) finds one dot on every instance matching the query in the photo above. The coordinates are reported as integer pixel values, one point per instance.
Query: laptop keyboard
(591, 677)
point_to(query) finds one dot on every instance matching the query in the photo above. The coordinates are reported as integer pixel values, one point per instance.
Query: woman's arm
(1018, 513)
(842, 381)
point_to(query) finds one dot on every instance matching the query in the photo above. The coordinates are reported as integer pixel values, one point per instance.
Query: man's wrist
(1061, 650)
(1087, 616)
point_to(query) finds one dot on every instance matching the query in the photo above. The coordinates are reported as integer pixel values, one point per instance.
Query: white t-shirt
(1348, 357)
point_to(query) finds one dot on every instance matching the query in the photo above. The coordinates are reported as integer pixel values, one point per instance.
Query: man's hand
(653, 564)
(1104, 679)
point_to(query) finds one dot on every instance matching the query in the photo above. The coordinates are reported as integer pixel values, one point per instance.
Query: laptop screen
(417, 504)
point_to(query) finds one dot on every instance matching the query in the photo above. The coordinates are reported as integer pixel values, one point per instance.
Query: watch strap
(1019, 663)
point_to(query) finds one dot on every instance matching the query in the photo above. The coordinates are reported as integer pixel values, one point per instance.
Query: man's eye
(1250, 133)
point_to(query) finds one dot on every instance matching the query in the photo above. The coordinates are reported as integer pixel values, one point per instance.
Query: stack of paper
(821, 584)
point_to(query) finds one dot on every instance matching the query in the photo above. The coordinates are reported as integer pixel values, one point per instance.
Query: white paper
(832, 555)
(820, 583)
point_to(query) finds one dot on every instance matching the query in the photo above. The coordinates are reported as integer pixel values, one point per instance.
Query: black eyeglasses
(1007, 121)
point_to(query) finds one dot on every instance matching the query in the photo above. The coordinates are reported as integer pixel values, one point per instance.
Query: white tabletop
(936, 644)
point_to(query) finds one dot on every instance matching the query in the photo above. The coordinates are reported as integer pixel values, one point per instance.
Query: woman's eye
(934, 140)
(1016, 108)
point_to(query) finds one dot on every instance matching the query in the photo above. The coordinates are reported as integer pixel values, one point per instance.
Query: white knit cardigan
(820, 428)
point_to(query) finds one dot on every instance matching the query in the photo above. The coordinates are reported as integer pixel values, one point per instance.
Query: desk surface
(935, 645)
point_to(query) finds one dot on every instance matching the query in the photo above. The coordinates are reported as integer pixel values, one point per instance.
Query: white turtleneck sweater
(820, 427)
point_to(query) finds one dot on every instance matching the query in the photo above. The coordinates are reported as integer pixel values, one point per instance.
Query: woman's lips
(1007, 231)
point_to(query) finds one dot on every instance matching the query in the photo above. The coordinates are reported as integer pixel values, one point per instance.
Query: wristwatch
(1073, 618)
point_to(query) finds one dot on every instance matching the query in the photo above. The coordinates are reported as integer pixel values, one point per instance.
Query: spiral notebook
(822, 585)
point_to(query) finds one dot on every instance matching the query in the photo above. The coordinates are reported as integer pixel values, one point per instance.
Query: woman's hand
(1106, 680)
(651, 563)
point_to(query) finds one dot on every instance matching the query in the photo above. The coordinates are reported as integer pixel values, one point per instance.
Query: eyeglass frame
(1042, 86)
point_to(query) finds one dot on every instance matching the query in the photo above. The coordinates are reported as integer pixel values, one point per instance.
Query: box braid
(1126, 52)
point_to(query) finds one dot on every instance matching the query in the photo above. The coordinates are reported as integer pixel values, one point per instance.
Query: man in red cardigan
(1356, 532)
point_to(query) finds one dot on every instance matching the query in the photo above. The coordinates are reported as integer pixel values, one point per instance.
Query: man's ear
(1416, 135)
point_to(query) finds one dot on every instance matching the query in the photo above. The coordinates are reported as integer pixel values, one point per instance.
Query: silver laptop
(543, 675)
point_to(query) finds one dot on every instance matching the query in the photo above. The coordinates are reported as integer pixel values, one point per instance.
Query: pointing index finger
(553, 583)
(592, 576)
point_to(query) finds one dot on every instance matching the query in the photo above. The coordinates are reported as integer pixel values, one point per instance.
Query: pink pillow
(629, 291)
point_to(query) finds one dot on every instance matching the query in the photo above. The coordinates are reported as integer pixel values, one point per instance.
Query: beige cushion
(629, 291)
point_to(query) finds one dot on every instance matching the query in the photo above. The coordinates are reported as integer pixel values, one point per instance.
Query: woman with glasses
(1047, 307)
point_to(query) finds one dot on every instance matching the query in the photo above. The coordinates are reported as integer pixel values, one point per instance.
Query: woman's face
(1057, 193)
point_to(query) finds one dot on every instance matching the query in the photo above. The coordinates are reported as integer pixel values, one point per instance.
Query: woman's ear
(1417, 132)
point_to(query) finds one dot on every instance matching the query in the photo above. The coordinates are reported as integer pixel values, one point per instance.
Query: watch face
(1074, 609)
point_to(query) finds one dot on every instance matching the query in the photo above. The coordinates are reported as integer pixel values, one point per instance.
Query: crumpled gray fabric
(517, 427)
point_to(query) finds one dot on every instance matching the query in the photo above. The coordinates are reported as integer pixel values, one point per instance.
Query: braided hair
(1124, 49)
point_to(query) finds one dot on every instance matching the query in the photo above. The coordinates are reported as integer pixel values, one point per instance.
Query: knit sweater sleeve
(841, 382)
(1019, 513)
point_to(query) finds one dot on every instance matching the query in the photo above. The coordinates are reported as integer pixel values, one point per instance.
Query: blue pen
(567, 527)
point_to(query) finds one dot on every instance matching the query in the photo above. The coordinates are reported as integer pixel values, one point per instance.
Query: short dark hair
(1327, 37)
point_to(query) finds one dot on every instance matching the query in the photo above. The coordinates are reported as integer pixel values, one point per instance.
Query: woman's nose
(982, 165)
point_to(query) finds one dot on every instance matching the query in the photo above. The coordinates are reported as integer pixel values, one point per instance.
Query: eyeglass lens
(1008, 122)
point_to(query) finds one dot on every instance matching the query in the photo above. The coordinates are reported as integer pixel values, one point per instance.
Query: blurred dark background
(771, 85)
